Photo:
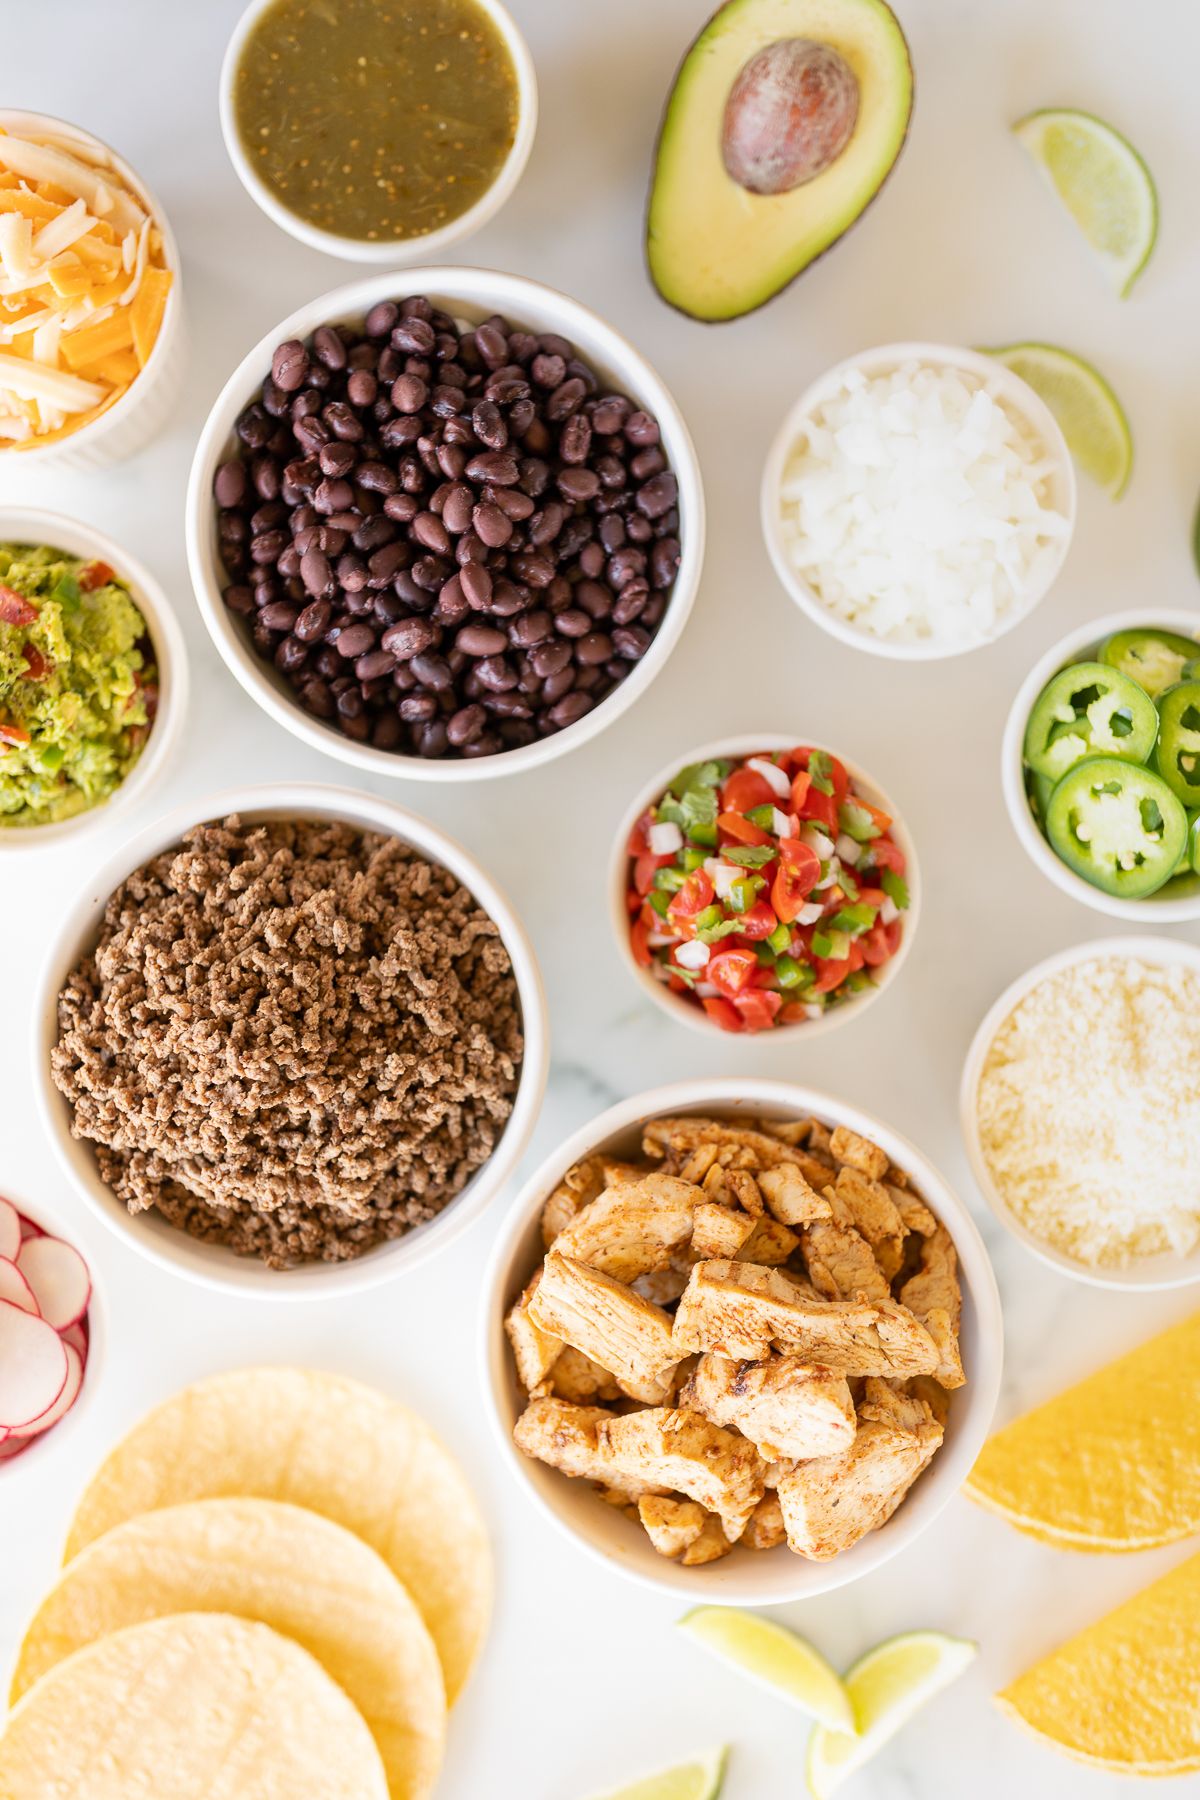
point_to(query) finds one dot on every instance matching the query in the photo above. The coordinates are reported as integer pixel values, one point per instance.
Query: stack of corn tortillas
(1113, 1464)
(272, 1536)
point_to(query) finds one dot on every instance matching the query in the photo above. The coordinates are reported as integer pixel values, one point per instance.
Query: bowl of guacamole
(79, 684)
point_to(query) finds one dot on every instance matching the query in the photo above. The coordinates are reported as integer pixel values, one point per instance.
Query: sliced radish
(66, 1399)
(29, 1229)
(14, 1287)
(33, 1366)
(10, 1229)
(13, 1447)
(77, 1336)
(59, 1278)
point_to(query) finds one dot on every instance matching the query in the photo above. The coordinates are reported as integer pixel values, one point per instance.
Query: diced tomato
(758, 1008)
(677, 984)
(801, 782)
(741, 830)
(731, 970)
(893, 934)
(820, 809)
(792, 1012)
(15, 609)
(638, 933)
(797, 875)
(639, 840)
(36, 664)
(722, 1012)
(888, 855)
(832, 971)
(633, 901)
(759, 922)
(745, 789)
(875, 947)
(881, 819)
(13, 734)
(95, 575)
(696, 893)
(644, 869)
(839, 778)
(871, 896)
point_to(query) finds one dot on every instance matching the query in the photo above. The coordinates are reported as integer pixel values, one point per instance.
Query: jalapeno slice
(1154, 659)
(1194, 843)
(1117, 825)
(1089, 709)
(1178, 752)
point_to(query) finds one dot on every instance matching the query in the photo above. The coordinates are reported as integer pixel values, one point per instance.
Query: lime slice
(886, 1687)
(1102, 182)
(1092, 418)
(777, 1658)
(699, 1779)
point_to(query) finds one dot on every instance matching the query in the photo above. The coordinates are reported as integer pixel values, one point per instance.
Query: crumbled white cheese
(1088, 1110)
(916, 506)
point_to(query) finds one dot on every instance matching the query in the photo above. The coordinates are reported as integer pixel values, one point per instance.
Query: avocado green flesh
(716, 251)
(75, 727)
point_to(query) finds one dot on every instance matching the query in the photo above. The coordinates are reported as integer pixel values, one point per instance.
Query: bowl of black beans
(446, 529)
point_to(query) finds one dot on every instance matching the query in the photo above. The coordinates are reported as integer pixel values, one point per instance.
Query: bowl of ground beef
(290, 1042)
(445, 526)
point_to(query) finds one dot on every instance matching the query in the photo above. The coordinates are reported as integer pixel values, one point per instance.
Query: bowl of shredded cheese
(91, 315)
(1080, 1111)
(918, 501)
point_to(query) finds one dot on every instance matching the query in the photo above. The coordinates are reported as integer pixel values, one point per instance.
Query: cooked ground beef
(297, 1039)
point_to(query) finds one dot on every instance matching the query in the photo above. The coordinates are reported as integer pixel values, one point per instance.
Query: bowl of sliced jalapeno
(1101, 764)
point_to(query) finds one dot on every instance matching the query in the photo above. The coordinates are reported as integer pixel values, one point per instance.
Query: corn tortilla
(286, 1568)
(1112, 1463)
(1124, 1695)
(334, 1446)
(200, 1703)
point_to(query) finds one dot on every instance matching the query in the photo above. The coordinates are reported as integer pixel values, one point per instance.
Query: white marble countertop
(583, 1684)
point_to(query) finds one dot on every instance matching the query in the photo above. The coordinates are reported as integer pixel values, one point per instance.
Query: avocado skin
(757, 305)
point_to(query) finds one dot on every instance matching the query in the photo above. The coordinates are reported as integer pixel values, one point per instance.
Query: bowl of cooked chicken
(741, 1340)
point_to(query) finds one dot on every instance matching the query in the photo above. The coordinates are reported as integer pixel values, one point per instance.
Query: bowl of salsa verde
(1101, 764)
(378, 130)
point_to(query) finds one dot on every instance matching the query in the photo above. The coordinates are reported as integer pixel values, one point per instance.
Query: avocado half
(714, 249)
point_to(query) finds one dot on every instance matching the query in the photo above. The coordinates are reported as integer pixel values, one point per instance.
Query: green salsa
(77, 684)
(376, 119)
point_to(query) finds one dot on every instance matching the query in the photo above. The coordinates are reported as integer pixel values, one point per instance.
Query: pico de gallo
(765, 888)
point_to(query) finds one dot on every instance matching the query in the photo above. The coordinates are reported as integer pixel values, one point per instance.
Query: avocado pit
(790, 114)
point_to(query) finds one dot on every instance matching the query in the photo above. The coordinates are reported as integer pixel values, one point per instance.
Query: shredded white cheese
(915, 505)
(1088, 1111)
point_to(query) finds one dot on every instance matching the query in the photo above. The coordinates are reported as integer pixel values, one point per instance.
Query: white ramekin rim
(1154, 909)
(17, 118)
(877, 360)
(392, 252)
(751, 1578)
(1155, 1274)
(683, 1011)
(215, 1266)
(32, 525)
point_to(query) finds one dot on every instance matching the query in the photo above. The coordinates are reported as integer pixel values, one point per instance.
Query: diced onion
(772, 774)
(665, 838)
(848, 850)
(783, 824)
(809, 913)
(816, 840)
(812, 1010)
(722, 875)
(693, 954)
(889, 912)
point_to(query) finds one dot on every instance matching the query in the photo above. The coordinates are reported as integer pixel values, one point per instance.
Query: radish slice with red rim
(66, 1399)
(14, 1287)
(10, 1229)
(29, 1229)
(13, 1446)
(77, 1336)
(33, 1366)
(59, 1278)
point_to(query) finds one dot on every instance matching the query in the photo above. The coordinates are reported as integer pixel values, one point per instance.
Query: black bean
(464, 726)
(558, 684)
(314, 621)
(631, 602)
(481, 640)
(476, 584)
(430, 533)
(578, 484)
(631, 642)
(373, 664)
(278, 616)
(565, 398)
(657, 496)
(433, 672)
(239, 599)
(408, 638)
(548, 659)
(416, 707)
(229, 484)
(328, 348)
(414, 335)
(493, 526)
(641, 430)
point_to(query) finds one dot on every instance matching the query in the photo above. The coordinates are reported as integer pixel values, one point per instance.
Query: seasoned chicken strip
(628, 1336)
(739, 1310)
(713, 1543)
(581, 1183)
(792, 1199)
(765, 1529)
(675, 1448)
(830, 1503)
(787, 1408)
(858, 1152)
(576, 1377)
(841, 1264)
(634, 1228)
(914, 1213)
(892, 1403)
(934, 1296)
(671, 1525)
(866, 1205)
(769, 1242)
(719, 1231)
(535, 1352)
(566, 1437)
(738, 1146)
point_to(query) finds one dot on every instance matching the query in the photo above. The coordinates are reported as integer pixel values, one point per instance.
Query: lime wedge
(778, 1659)
(1102, 182)
(886, 1687)
(1092, 418)
(699, 1779)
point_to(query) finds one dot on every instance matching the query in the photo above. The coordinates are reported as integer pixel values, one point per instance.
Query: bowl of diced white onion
(918, 501)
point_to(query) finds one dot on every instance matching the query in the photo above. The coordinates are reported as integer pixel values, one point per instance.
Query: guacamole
(78, 686)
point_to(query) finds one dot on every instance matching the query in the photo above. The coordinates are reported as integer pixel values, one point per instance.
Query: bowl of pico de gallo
(759, 884)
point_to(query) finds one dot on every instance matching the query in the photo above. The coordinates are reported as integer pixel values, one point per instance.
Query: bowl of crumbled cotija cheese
(1081, 1111)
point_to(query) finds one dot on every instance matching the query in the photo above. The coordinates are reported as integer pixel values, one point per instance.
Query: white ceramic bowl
(686, 1011)
(746, 1577)
(471, 294)
(1017, 397)
(391, 251)
(214, 1265)
(148, 402)
(50, 1441)
(1165, 1271)
(27, 525)
(1167, 907)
